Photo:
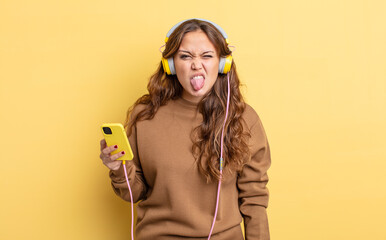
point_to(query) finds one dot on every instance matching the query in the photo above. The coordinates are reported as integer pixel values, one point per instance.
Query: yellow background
(315, 71)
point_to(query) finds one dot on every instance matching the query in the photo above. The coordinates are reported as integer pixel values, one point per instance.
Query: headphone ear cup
(221, 65)
(168, 65)
(225, 64)
(165, 65)
(171, 66)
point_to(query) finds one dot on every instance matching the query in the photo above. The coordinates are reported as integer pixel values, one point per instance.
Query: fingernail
(123, 152)
(116, 146)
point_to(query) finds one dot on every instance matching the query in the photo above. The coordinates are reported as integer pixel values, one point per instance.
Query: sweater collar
(186, 103)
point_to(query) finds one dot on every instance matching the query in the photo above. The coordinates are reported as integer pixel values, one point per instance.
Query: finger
(110, 149)
(105, 158)
(103, 144)
(117, 155)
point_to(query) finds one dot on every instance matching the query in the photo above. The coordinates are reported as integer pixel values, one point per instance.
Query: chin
(199, 93)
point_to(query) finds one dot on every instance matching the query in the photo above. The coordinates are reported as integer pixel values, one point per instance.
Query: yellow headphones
(224, 64)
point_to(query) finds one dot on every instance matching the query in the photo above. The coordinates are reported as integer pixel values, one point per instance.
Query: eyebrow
(192, 54)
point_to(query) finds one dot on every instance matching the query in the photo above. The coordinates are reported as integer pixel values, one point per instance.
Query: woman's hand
(110, 160)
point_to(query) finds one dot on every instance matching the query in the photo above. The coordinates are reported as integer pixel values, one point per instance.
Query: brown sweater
(177, 203)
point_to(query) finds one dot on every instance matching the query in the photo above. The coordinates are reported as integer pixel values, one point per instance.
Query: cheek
(181, 67)
(214, 68)
(214, 65)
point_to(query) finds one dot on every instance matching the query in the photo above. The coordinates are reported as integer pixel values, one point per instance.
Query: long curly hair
(205, 137)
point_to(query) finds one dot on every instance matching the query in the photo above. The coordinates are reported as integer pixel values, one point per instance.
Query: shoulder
(258, 138)
(137, 109)
(250, 116)
(254, 124)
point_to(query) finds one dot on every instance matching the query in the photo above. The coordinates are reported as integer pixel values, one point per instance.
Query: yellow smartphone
(115, 134)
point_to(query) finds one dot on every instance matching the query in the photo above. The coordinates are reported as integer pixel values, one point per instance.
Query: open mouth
(197, 82)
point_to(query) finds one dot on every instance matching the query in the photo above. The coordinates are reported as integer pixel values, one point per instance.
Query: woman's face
(196, 64)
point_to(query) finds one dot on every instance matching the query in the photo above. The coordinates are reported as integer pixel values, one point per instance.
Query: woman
(175, 133)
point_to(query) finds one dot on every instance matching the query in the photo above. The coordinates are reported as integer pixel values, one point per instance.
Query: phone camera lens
(107, 130)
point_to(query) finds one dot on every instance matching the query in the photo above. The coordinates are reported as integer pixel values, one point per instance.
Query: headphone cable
(221, 160)
(131, 201)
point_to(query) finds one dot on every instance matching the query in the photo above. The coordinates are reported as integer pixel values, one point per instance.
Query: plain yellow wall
(315, 71)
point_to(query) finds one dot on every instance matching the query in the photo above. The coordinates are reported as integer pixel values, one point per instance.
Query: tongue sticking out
(197, 83)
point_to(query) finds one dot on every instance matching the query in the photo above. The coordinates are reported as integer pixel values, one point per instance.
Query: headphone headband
(201, 19)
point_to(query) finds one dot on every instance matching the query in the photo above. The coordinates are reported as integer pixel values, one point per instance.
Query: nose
(196, 64)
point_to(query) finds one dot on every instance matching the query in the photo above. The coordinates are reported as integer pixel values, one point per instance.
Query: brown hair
(205, 137)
